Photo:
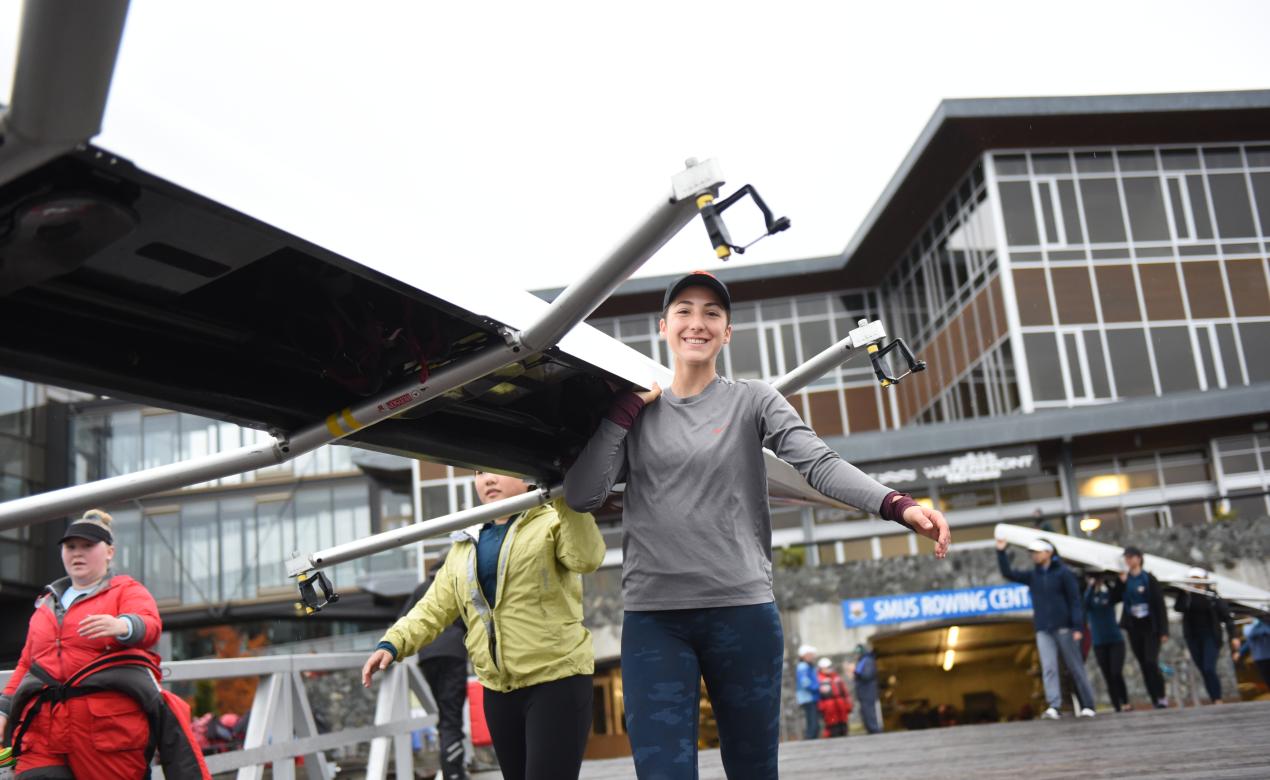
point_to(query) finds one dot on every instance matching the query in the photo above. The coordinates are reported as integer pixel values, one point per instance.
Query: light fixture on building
(950, 657)
(953, 633)
(1090, 524)
(1105, 485)
(925, 502)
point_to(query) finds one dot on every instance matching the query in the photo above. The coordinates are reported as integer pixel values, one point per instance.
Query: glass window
(1093, 162)
(1029, 489)
(1129, 362)
(1140, 473)
(776, 310)
(1042, 360)
(314, 522)
(162, 535)
(743, 312)
(1199, 207)
(1261, 190)
(634, 326)
(1074, 372)
(1258, 156)
(1179, 159)
(1051, 163)
(857, 550)
(743, 349)
(1230, 204)
(1194, 513)
(1010, 164)
(1227, 157)
(1137, 161)
(159, 440)
(1174, 359)
(1097, 365)
(123, 444)
(1229, 355)
(812, 306)
(1145, 202)
(1184, 469)
(125, 526)
(814, 336)
(1242, 463)
(1017, 209)
(1102, 210)
(1071, 217)
(951, 499)
(200, 552)
(1255, 336)
(238, 545)
(275, 533)
(352, 521)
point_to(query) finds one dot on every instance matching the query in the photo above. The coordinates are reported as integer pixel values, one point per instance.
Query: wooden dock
(1214, 743)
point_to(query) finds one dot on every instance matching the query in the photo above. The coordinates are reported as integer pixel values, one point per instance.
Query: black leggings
(1146, 647)
(1111, 661)
(540, 732)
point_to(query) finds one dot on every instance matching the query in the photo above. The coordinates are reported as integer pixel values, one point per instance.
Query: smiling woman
(697, 532)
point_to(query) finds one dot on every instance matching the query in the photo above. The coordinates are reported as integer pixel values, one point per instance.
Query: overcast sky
(516, 143)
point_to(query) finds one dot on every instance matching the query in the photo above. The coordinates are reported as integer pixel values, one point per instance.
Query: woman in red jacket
(835, 700)
(84, 701)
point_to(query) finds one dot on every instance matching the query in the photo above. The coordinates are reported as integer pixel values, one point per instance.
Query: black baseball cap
(86, 530)
(698, 279)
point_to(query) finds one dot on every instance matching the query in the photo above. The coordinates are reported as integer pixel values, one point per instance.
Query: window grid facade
(1138, 270)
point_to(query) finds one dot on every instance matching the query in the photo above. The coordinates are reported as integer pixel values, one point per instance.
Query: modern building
(212, 554)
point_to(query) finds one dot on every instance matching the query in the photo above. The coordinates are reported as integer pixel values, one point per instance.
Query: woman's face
(495, 487)
(86, 561)
(695, 325)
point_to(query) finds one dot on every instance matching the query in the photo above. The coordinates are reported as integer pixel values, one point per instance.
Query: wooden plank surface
(1214, 742)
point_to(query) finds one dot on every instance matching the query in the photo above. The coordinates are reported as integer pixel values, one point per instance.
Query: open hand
(98, 626)
(1001, 544)
(378, 661)
(931, 524)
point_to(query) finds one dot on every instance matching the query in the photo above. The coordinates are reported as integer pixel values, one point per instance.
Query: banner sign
(978, 466)
(936, 605)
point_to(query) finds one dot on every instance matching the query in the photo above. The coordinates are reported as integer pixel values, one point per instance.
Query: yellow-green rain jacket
(534, 633)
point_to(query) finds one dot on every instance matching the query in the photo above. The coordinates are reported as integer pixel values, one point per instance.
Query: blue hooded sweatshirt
(1055, 593)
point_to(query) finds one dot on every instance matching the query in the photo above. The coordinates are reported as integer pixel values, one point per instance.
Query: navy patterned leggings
(739, 651)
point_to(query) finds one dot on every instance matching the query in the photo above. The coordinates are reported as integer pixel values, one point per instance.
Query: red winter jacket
(53, 639)
(835, 701)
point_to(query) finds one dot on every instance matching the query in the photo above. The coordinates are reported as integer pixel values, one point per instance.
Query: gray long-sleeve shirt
(696, 530)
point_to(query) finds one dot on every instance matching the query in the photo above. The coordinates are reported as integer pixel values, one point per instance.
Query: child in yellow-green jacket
(516, 583)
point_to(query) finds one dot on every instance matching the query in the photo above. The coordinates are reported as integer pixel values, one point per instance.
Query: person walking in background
(444, 665)
(807, 691)
(865, 675)
(1145, 620)
(1108, 641)
(835, 700)
(1257, 644)
(516, 583)
(1204, 613)
(84, 700)
(1058, 618)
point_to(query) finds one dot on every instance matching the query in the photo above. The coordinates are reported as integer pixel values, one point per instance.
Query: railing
(280, 727)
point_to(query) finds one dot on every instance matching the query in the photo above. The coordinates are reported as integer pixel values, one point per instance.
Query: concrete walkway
(1227, 741)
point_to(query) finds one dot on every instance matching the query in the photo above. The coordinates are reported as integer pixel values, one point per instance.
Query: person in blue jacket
(807, 690)
(1100, 612)
(866, 689)
(1257, 644)
(1059, 621)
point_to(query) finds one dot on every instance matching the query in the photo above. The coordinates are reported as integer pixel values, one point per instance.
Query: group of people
(823, 696)
(1061, 613)
(696, 571)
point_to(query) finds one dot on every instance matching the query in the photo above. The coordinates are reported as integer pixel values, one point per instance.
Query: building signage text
(936, 605)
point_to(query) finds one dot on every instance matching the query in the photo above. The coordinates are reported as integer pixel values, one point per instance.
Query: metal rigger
(697, 184)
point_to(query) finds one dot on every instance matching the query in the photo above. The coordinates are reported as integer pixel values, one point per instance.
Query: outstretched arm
(794, 442)
(1003, 563)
